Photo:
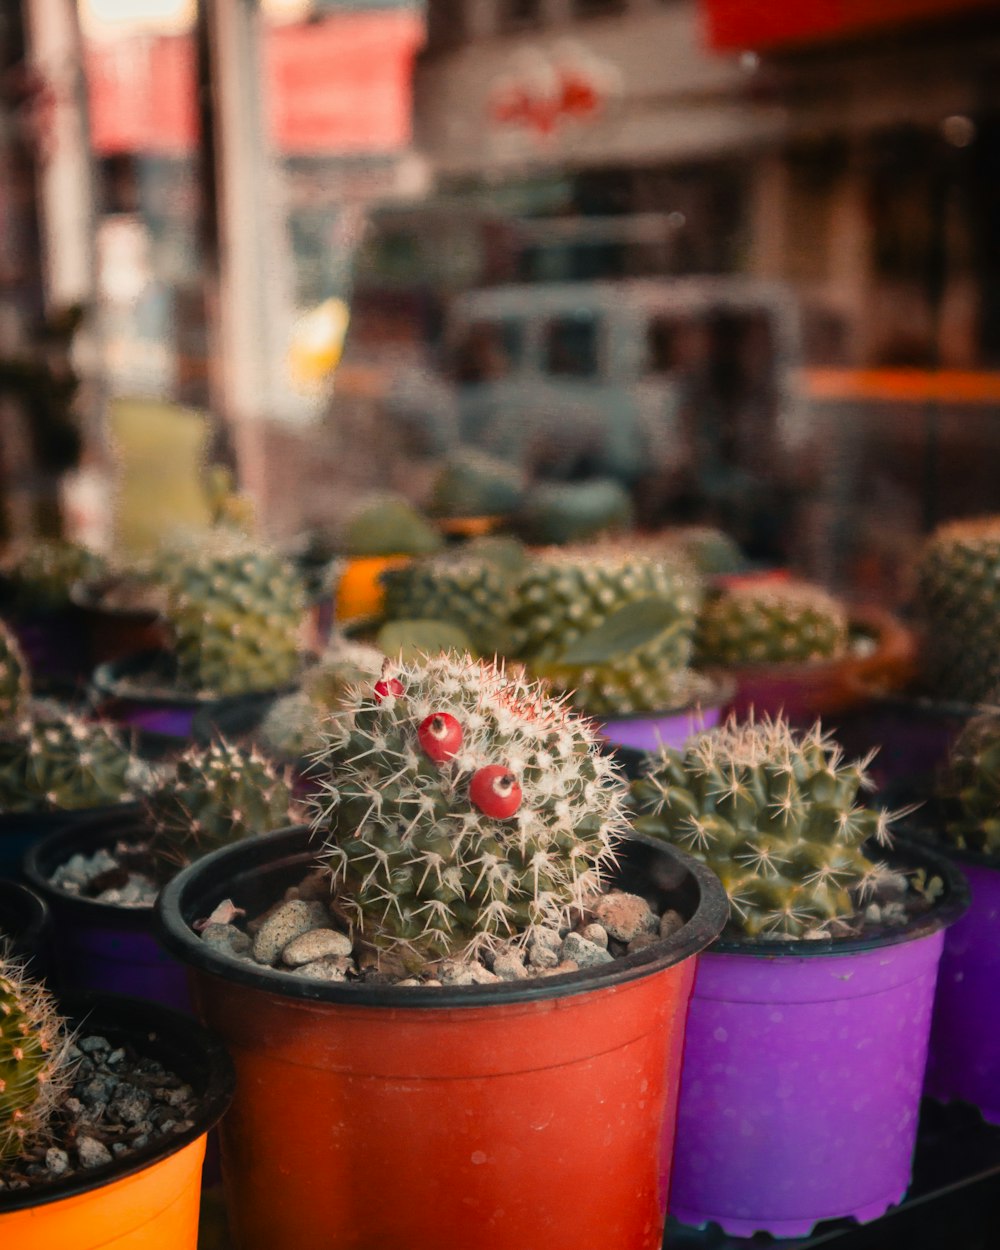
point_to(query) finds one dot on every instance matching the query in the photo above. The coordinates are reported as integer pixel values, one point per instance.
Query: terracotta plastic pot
(19, 831)
(114, 633)
(803, 1069)
(99, 946)
(804, 692)
(150, 1199)
(25, 925)
(518, 1115)
(360, 593)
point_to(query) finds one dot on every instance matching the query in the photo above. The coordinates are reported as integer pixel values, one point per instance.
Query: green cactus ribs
(776, 816)
(387, 525)
(56, 761)
(33, 1064)
(474, 595)
(14, 679)
(216, 795)
(969, 786)
(462, 808)
(471, 483)
(777, 623)
(958, 602)
(42, 573)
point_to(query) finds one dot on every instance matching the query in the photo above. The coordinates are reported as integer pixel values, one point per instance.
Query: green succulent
(34, 1066)
(557, 513)
(474, 595)
(53, 760)
(471, 483)
(42, 573)
(771, 623)
(969, 786)
(15, 686)
(387, 525)
(777, 817)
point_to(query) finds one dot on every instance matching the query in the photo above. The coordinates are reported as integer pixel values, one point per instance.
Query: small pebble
(226, 938)
(873, 914)
(457, 972)
(671, 922)
(287, 922)
(641, 941)
(92, 1153)
(316, 944)
(576, 948)
(542, 957)
(625, 916)
(57, 1161)
(597, 934)
(508, 965)
(333, 968)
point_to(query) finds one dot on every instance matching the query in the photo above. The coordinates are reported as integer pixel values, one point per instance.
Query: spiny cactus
(958, 602)
(42, 573)
(235, 613)
(14, 680)
(386, 525)
(217, 795)
(969, 786)
(711, 551)
(462, 807)
(771, 623)
(34, 1067)
(471, 483)
(572, 512)
(54, 760)
(475, 595)
(776, 816)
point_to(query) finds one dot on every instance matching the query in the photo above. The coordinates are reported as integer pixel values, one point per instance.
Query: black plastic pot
(100, 946)
(150, 1197)
(115, 633)
(25, 925)
(19, 831)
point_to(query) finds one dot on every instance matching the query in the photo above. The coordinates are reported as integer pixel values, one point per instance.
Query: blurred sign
(543, 90)
(143, 93)
(747, 24)
(342, 85)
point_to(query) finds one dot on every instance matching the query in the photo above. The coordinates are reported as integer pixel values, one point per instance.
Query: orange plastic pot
(150, 1199)
(505, 1117)
(359, 592)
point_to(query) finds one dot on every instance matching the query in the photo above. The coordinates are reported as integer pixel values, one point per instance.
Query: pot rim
(36, 913)
(287, 846)
(86, 595)
(942, 913)
(138, 1019)
(99, 831)
(63, 817)
(106, 677)
(723, 691)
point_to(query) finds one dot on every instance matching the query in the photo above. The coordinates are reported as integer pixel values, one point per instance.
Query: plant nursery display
(465, 905)
(104, 1113)
(384, 531)
(823, 981)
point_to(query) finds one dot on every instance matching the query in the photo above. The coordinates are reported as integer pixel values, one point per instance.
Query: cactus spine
(970, 787)
(776, 817)
(14, 681)
(462, 807)
(33, 1064)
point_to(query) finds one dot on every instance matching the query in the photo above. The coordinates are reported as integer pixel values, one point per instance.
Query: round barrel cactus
(771, 623)
(33, 1059)
(53, 760)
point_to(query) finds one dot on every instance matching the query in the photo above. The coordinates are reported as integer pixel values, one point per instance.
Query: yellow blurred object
(317, 341)
(360, 593)
(159, 452)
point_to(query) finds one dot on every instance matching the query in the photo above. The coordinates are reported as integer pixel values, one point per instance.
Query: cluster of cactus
(710, 551)
(292, 728)
(235, 614)
(387, 525)
(34, 1065)
(56, 761)
(771, 623)
(565, 598)
(214, 796)
(776, 816)
(14, 678)
(474, 594)
(471, 483)
(969, 786)
(462, 808)
(958, 602)
(42, 573)
(557, 513)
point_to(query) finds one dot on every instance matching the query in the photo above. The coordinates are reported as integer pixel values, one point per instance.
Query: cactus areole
(464, 811)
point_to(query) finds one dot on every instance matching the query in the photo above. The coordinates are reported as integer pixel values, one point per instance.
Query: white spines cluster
(462, 808)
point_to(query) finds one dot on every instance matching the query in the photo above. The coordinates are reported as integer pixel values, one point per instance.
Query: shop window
(489, 350)
(662, 345)
(571, 344)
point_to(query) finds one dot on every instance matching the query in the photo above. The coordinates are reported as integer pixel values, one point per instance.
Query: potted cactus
(809, 1023)
(37, 580)
(457, 994)
(234, 613)
(100, 877)
(474, 494)
(795, 650)
(104, 1113)
(122, 613)
(384, 532)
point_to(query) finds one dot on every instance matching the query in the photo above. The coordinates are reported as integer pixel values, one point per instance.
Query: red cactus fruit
(495, 791)
(440, 735)
(388, 686)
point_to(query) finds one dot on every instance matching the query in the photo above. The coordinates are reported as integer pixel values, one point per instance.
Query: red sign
(546, 91)
(342, 85)
(143, 95)
(764, 24)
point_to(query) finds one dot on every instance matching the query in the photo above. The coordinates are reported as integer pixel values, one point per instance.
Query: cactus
(473, 594)
(217, 795)
(386, 525)
(56, 761)
(780, 623)
(573, 512)
(710, 551)
(776, 817)
(958, 602)
(462, 808)
(14, 679)
(235, 613)
(34, 1067)
(969, 786)
(470, 483)
(42, 573)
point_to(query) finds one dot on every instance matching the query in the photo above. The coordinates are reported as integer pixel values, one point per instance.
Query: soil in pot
(121, 1164)
(568, 1076)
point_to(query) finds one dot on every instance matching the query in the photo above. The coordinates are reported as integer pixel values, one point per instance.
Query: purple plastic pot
(965, 1036)
(803, 1068)
(53, 644)
(99, 946)
(672, 728)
